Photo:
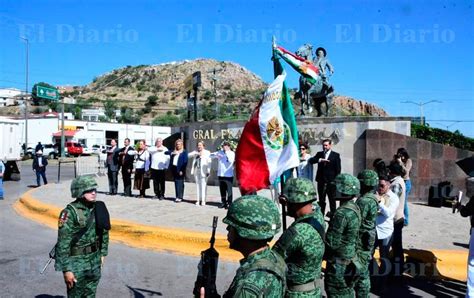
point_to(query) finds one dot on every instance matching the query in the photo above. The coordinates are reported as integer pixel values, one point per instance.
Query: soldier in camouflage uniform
(368, 206)
(341, 239)
(302, 244)
(252, 223)
(82, 243)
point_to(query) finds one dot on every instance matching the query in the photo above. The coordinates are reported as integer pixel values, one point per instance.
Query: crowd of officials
(150, 163)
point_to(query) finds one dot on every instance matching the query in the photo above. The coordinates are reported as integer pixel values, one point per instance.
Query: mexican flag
(304, 67)
(269, 142)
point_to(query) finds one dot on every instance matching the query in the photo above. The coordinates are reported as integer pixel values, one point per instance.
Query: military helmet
(347, 184)
(82, 184)
(254, 217)
(368, 178)
(299, 190)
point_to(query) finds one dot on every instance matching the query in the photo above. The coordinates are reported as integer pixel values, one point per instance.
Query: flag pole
(276, 71)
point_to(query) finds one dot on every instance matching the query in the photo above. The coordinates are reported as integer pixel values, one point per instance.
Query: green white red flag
(305, 67)
(269, 142)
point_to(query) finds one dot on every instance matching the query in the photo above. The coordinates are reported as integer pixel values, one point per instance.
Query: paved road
(129, 272)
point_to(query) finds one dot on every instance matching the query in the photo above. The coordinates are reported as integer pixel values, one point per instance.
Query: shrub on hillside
(167, 120)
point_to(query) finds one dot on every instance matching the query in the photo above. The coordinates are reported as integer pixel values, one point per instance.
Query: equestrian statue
(321, 91)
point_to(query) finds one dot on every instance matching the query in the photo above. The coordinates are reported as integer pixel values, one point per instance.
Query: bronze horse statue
(312, 94)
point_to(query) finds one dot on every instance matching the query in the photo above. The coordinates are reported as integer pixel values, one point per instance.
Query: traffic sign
(47, 93)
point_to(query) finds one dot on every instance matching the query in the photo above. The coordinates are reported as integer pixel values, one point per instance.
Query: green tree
(54, 105)
(167, 120)
(152, 100)
(110, 106)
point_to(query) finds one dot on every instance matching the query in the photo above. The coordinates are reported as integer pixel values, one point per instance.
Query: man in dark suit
(113, 166)
(126, 163)
(329, 166)
(39, 166)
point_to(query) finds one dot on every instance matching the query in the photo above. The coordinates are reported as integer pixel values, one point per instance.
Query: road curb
(429, 264)
(177, 241)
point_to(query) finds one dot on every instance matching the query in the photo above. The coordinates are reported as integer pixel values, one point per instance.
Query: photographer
(404, 160)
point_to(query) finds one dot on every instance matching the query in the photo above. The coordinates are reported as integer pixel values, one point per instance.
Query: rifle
(52, 256)
(207, 268)
(457, 202)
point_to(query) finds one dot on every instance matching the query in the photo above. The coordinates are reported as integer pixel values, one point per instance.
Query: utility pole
(214, 79)
(421, 104)
(63, 139)
(26, 95)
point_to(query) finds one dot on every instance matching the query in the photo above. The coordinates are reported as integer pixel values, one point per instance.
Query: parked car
(50, 151)
(29, 152)
(97, 149)
(73, 148)
(86, 150)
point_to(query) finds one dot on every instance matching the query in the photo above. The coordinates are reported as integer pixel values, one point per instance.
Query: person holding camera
(404, 160)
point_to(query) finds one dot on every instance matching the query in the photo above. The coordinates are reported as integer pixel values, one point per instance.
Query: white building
(95, 114)
(8, 96)
(48, 131)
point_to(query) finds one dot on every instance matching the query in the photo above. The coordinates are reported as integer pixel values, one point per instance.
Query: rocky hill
(153, 90)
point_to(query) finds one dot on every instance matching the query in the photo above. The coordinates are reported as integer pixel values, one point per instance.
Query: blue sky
(383, 52)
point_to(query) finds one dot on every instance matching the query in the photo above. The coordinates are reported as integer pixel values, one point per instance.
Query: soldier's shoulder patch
(63, 217)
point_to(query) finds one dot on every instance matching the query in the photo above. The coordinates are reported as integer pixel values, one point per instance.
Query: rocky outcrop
(357, 107)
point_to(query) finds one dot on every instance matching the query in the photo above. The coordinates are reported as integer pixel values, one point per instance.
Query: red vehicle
(73, 148)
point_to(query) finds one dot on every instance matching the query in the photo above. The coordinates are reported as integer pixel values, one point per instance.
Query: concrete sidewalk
(434, 235)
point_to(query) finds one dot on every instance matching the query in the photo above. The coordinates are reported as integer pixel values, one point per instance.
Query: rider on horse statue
(321, 91)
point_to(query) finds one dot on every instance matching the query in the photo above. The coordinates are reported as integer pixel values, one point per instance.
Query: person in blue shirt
(178, 164)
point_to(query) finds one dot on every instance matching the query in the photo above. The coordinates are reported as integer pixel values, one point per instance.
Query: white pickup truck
(10, 147)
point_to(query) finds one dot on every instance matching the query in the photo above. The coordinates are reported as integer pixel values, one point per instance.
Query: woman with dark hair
(380, 167)
(403, 159)
(305, 169)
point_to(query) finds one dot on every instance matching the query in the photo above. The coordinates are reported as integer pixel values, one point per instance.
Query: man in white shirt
(201, 168)
(398, 187)
(159, 163)
(225, 173)
(388, 204)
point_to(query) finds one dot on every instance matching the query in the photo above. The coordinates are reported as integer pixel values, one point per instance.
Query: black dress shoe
(223, 205)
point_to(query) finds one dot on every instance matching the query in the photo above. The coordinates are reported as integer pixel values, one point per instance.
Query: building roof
(67, 133)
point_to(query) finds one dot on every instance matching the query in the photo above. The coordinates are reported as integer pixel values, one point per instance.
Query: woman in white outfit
(201, 168)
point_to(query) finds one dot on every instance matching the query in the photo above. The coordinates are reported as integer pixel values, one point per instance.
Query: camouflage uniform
(261, 274)
(84, 258)
(368, 206)
(302, 244)
(341, 240)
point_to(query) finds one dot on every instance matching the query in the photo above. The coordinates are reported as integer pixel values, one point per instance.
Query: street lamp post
(421, 104)
(26, 95)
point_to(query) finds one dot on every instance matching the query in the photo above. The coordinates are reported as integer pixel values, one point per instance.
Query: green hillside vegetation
(436, 135)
